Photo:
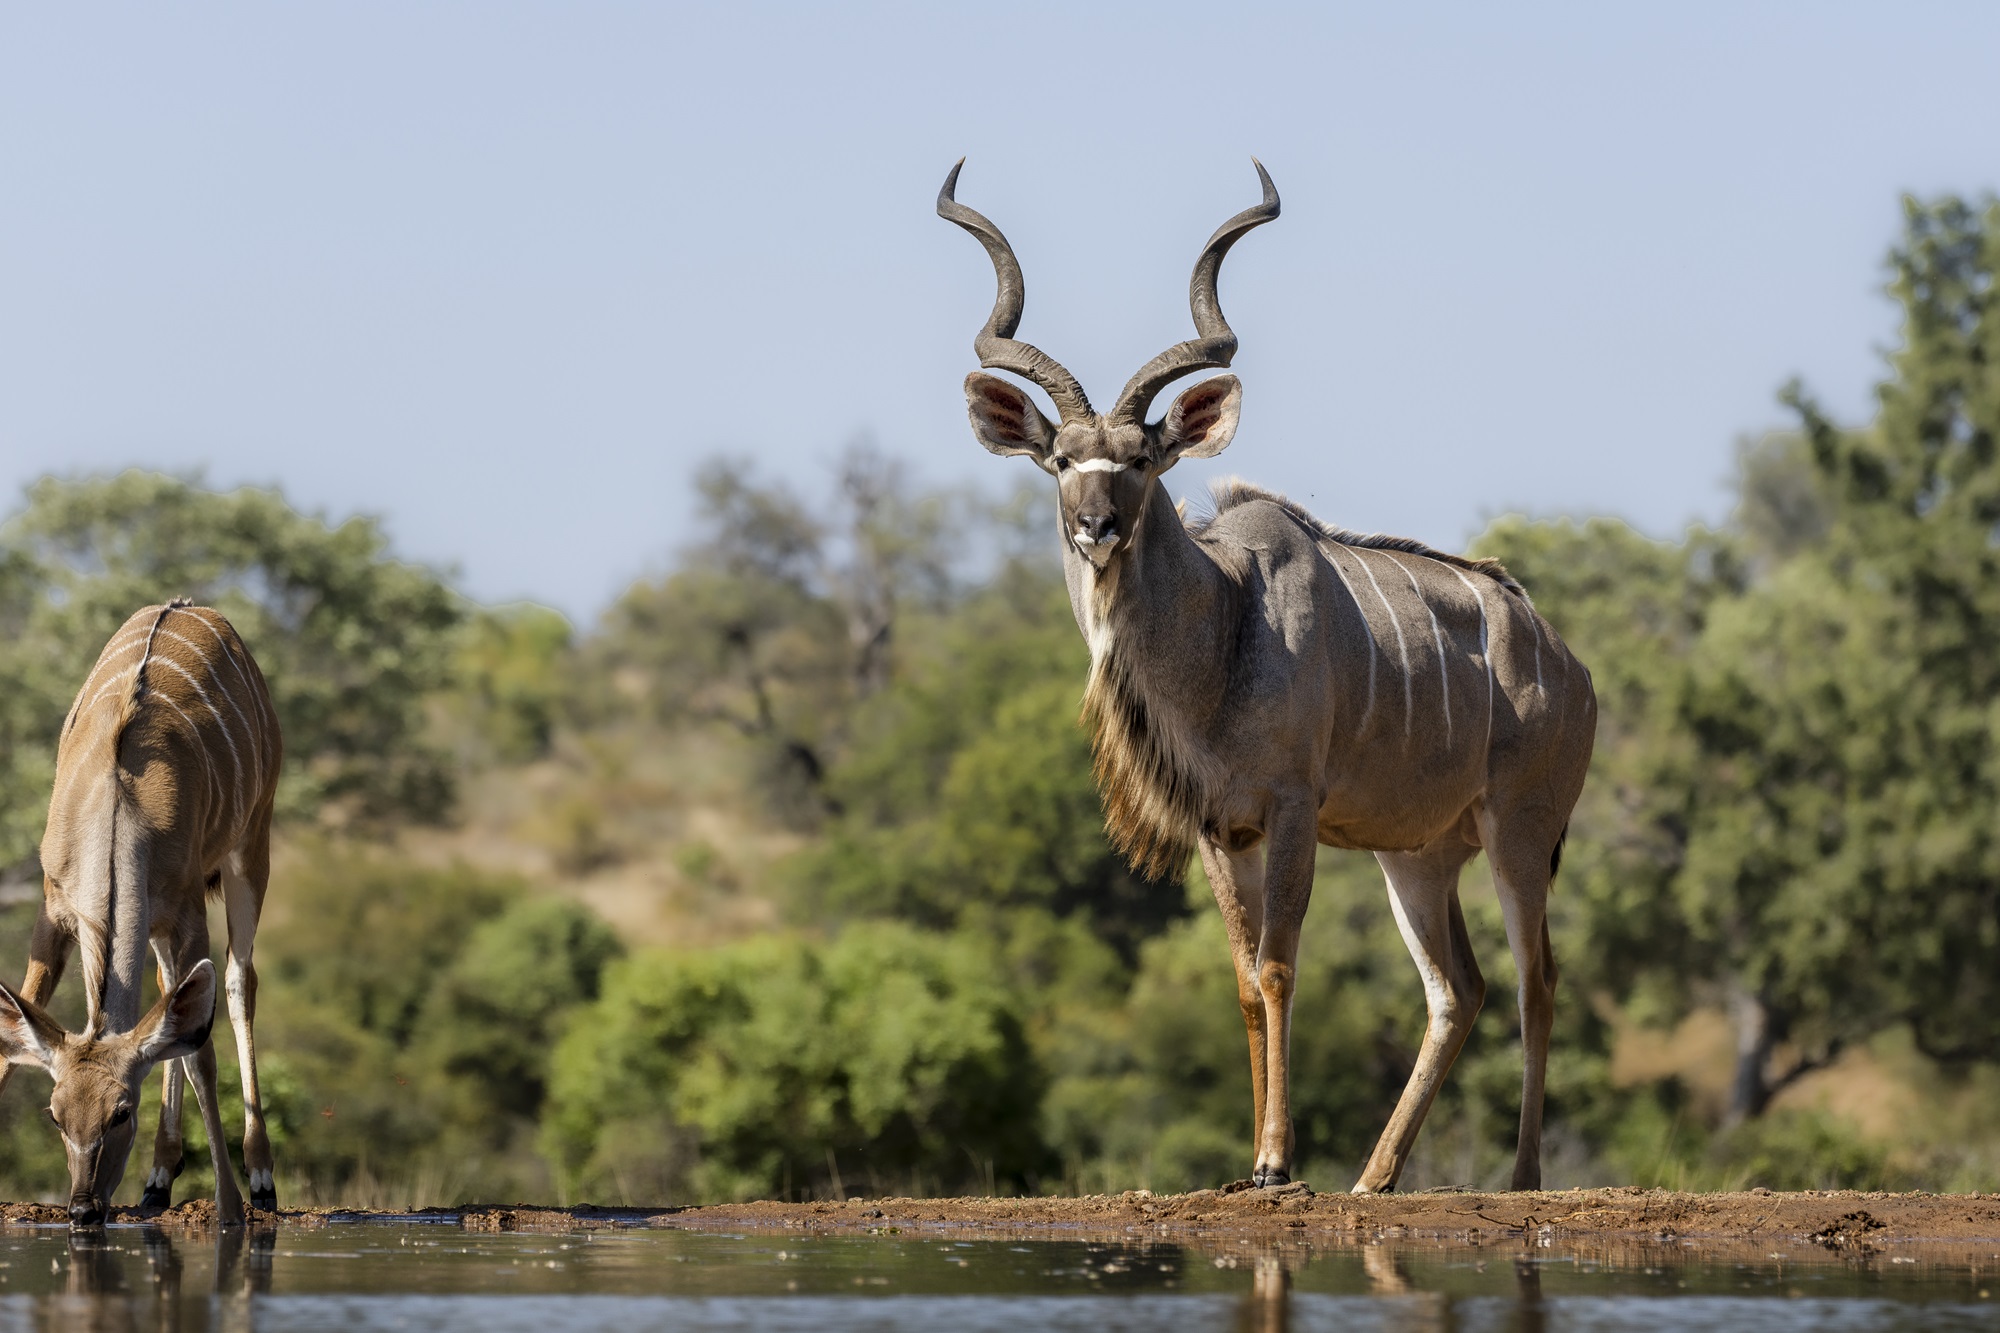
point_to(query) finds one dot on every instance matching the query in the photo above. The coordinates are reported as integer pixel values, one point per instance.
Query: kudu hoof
(157, 1196)
(1265, 1176)
(264, 1200)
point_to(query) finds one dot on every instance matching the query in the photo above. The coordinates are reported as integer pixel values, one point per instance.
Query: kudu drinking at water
(165, 775)
(1262, 682)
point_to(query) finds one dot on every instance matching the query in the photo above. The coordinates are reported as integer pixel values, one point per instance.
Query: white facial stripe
(1099, 465)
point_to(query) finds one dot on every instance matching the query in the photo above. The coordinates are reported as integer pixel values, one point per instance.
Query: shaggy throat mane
(1151, 775)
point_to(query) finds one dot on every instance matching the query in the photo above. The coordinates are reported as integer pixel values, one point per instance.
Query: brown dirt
(1834, 1221)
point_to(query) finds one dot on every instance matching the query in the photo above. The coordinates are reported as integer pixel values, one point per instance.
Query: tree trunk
(1750, 1090)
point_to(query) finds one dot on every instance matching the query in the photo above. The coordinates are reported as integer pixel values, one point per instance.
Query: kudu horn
(996, 346)
(1216, 346)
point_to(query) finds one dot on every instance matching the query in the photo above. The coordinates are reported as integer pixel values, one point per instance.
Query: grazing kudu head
(97, 1076)
(1105, 464)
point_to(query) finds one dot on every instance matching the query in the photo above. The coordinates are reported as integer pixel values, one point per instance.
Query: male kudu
(165, 776)
(1261, 682)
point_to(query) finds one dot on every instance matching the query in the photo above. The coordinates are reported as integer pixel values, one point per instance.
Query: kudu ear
(1202, 420)
(28, 1036)
(178, 1025)
(1005, 419)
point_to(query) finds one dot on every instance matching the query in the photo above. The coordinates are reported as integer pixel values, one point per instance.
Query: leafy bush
(887, 1057)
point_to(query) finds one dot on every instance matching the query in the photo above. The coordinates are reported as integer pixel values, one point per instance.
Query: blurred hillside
(788, 876)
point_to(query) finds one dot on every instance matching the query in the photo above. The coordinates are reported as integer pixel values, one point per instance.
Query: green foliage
(886, 1056)
(778, 622)
(349, 640)
(968, 780)
(414, 1011)
(513, 670)
(495, 1011)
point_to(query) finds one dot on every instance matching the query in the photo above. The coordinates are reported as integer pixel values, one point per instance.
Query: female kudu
(1261, 682)
(165, 775)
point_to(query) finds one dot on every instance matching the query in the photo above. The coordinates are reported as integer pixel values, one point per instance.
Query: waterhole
(380, 1275)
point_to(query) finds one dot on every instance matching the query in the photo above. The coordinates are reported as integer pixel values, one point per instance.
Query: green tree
(780, 618)
(967, 781)
(350, 640)
(1844, 869)
(513, 680)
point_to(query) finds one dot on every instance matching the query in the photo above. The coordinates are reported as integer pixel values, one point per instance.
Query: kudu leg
(169, 1145)
(1288, 879)
(1521, 877)
(1423, 894)
(48, 953)
(1237, 877)
(200, 1068)
(243, 901)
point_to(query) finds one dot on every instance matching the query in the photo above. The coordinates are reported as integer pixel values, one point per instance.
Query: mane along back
(1230, 492)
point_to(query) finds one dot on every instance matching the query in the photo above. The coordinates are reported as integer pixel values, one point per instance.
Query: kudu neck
(1163, 605)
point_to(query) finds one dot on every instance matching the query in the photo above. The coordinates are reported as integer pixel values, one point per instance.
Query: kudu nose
(1097, 527)
(85, 1213)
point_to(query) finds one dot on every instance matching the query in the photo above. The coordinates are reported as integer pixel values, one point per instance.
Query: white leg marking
(1437, 637)
(1402, 646)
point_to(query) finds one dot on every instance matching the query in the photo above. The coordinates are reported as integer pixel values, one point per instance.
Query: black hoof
(267, 1200)
(1266, 1176)
(157, 1198)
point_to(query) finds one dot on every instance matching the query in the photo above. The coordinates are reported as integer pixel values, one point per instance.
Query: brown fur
(1155, 793)
(165, 780)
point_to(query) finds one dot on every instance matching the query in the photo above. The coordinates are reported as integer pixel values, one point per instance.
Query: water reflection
(103, 1291)
(1268, 1306)
(403, 1274)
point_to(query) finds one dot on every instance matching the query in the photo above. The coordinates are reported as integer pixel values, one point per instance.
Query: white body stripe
(1368, 710)
(235, 759)
(1485, 648)
(1437, 637)
(248, 733)
(1402, 645)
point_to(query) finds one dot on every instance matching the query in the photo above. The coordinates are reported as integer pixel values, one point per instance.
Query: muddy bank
(1834, 1221)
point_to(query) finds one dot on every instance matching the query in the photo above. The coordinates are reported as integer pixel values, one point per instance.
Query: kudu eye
(50, 1112)
(121, 1115)
(1141, 463)
(1061, 463)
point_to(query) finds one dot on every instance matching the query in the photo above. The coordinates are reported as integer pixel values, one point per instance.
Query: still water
(366, 1276)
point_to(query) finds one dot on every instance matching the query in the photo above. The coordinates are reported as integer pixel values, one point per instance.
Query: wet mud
(1834, 1222)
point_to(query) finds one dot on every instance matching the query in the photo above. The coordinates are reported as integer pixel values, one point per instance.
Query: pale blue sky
(505, 273)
